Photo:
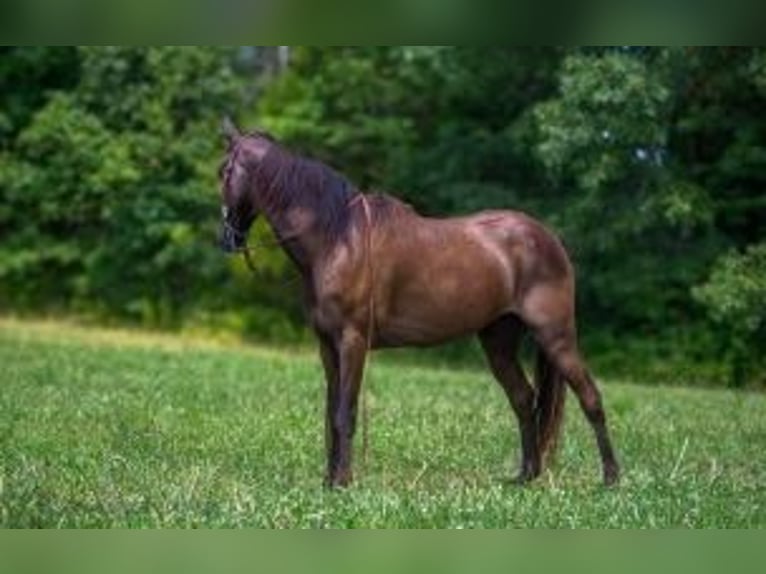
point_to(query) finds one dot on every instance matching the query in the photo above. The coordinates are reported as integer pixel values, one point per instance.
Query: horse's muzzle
(230, 240)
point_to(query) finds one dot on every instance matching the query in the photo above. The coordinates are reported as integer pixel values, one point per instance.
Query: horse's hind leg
(559, 343)
(500, 341)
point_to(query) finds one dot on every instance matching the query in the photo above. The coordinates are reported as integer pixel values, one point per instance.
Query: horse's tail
(549, 407)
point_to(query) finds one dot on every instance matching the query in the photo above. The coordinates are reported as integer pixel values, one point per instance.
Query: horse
(377, 274)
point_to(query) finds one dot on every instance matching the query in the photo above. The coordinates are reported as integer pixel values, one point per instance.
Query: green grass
(111, 428)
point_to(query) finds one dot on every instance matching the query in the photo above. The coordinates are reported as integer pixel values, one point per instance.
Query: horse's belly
(409, 331)
(431, 311)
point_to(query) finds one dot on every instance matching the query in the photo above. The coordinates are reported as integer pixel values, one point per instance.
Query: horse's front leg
(351, 351)
(329, 352)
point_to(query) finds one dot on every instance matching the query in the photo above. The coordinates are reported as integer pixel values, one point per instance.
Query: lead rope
(370, 327)
(246, 253)
(249, 260)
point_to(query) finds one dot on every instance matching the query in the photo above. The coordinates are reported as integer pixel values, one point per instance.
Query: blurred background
(649, 162)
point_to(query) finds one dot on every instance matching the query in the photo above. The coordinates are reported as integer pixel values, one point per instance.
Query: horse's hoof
(338, 482)
(523, 478)
(611, 476)
(335, 484)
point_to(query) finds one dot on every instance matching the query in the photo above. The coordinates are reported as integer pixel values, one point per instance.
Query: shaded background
(650, 163)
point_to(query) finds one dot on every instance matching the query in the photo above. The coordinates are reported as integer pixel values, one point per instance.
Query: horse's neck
(297, 235)
(295, 222)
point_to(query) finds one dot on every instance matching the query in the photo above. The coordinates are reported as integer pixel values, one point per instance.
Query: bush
(735, 298)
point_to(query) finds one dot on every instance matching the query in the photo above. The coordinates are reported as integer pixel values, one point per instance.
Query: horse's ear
(229, 129)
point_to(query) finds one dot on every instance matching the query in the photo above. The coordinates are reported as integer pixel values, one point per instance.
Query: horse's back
(512, 237)
(443, 277)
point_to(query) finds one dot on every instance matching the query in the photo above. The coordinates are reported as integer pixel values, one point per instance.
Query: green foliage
(115, 429)
(435, 125)
(350, 107)
(109, 189)
(27, 75)
(736, 289)
(607, 124)
(735, 296)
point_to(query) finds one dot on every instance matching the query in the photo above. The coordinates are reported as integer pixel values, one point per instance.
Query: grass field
(113, 428)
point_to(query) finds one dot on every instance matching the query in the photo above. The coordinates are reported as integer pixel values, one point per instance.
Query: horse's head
(239, 200)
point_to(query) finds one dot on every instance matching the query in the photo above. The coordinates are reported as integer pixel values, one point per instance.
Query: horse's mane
(287, 179)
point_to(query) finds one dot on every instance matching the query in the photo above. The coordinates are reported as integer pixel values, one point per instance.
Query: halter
(241, 236)
(229, 227)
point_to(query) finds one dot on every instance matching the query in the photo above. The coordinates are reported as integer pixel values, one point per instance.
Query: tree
(109, 187)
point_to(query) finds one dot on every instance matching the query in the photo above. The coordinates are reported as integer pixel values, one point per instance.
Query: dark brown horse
(376, 274)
